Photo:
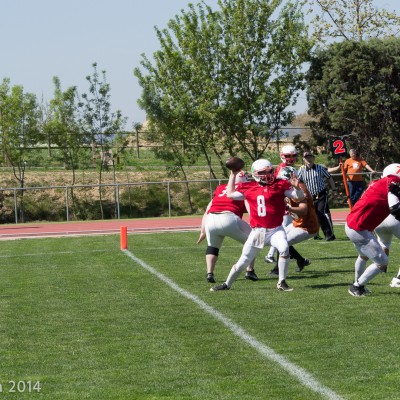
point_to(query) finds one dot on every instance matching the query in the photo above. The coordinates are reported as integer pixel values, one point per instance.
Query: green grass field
(89, 321)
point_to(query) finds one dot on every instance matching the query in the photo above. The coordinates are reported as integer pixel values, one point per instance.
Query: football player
(223, 217)
(267, 208)
(304, 221)
(380, 199)
(288, 156)
(384, 232)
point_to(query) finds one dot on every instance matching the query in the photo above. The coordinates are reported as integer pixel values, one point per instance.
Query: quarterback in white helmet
(263, 172)
(266, 201)
(288, 156)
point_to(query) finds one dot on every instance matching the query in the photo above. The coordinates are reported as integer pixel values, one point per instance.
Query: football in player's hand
(234, 164)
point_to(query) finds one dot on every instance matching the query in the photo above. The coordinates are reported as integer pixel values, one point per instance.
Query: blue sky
(46, 38)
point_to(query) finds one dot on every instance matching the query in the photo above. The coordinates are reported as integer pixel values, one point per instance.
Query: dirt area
(64, 178)
(85, 202)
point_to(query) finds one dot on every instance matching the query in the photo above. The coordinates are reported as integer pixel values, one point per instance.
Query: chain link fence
(121, 200)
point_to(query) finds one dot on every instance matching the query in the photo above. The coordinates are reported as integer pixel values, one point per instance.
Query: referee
(314, 176)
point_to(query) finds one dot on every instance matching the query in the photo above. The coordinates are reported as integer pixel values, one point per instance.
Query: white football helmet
(391, 169)
(289, 154)
(242, 177)
(263, 171)
(287, 172)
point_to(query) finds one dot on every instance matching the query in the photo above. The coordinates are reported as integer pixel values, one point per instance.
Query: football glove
(395, 211)
(394, 188)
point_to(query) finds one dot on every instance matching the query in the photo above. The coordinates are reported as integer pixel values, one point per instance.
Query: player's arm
(328, 176)
(295, 191)
(230, 188)
(332, 184)
(331, 170)
(299, 208)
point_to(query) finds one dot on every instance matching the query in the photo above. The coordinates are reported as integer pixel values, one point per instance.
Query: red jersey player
(380, 199)
(288, 156)
(266, 201)
(223, 217)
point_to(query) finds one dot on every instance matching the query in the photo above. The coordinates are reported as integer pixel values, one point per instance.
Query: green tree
(19, 131)
(352, 20)
(222, 80)
(354, 89)
(61, 125)
(62, 129)
(99, 124)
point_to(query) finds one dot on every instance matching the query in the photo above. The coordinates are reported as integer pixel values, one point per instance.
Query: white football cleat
(395, 282)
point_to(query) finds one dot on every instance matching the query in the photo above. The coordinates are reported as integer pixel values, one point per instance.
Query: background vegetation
(148, 188)
(218, 86)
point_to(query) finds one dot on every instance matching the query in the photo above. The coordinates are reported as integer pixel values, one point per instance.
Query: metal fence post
(15, 206)
(169, 199)
(66, 203)
(117, 199)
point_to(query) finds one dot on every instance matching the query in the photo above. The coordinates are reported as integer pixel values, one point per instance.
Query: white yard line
(299, 373)
(51, 253)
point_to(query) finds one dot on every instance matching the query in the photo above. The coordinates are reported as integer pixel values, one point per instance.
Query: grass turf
(88, 322)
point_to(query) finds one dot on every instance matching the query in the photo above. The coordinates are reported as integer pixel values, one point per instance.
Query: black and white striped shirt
(314, 178)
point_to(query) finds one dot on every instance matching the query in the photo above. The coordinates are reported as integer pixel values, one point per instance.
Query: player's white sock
(368, 274)
(233, 274)
(283, 265)
(271, 252)
(360, 266)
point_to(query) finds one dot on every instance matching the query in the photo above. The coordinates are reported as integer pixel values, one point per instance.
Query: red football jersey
(267, 203)
(373, 207)
(221, 203)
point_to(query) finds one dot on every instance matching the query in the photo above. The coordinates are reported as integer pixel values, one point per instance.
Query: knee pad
(212, 250)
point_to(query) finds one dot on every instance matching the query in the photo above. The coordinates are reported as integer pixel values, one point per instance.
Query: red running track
(139, 225)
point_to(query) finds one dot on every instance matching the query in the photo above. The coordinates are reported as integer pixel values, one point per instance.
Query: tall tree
(62, 128)
(352, 20)
(222, 80)
(99, 123)
(61, 125)
(354, 89)
(19, 130)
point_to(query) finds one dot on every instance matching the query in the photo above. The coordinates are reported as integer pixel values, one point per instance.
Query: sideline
(299, 373)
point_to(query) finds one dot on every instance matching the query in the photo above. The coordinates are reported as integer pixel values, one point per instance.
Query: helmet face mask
(263, 172)
(289, 159)
(289, 154)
